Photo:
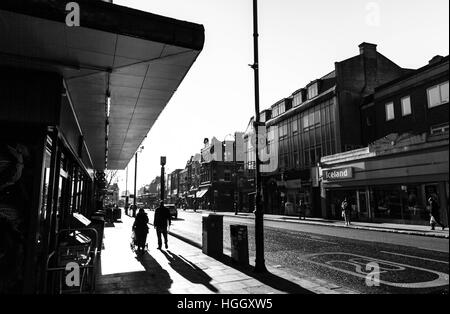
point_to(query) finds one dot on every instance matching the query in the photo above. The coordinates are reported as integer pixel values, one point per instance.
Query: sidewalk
(420, 230)
(184, 269)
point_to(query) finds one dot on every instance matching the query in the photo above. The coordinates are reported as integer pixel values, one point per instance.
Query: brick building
(323, 118)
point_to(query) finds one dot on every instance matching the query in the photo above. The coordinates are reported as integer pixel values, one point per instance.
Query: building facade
(405, 125)
(221, 172)
(321, 119)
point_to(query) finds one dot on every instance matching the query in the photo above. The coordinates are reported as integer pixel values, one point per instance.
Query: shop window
(296, 159)
(438, 95)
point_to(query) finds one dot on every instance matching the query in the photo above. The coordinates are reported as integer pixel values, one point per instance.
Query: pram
(134, 244)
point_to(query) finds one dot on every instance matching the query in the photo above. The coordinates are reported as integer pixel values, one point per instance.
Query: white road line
(423, 258)
(312, 238)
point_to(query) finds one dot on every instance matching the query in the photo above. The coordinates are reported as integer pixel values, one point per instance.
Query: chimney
(436, 59)
(367, 49)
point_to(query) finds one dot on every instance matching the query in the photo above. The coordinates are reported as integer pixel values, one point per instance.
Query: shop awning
(137, 58)
(202, 193)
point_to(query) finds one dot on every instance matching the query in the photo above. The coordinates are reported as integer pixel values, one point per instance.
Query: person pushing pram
(140, 230)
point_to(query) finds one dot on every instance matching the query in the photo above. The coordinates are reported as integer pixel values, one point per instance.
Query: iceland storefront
(389, 181)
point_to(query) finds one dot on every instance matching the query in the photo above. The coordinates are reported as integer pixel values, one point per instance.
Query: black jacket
(162, 217)
(140, 223)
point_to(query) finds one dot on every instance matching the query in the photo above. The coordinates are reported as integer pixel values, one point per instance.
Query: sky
(299, 42)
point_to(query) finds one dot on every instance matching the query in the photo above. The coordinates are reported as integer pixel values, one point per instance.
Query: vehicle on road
(172, 209)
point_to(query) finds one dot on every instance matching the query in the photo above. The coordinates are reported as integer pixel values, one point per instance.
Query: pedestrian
(346, 211)
(161, 223)
(140, 229)
(434, 213)
(302, 210)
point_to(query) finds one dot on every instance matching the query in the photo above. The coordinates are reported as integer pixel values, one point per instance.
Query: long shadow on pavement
(267, 278)
(189, 271)
(154, 280)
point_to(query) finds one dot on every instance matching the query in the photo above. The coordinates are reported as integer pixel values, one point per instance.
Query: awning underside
(201, 193)
(141, 76)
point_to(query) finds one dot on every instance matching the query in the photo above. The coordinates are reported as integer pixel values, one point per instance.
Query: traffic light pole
(259, 215)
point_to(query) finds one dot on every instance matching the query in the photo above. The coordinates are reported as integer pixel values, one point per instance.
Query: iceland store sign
(338, 174)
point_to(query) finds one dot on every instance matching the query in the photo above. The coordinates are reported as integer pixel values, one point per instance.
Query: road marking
(313, 238)
(442, 279)
(423, 258)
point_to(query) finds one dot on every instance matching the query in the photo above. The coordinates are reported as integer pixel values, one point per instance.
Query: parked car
(172, 209)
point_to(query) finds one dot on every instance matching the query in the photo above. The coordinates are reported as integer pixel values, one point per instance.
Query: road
(407, 263)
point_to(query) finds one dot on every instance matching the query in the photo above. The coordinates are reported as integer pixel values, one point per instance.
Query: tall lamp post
(135, 179)
(163, 184)
(259, 215)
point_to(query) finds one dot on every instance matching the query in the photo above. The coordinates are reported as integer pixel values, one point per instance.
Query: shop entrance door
(362, 208)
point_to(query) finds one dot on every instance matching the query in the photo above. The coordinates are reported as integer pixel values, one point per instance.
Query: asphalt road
(406, 263)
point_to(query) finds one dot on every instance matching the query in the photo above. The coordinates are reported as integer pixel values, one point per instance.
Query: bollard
(212, 235)
(239, 244)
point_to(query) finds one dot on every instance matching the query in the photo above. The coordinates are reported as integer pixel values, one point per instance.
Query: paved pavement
(420, 230)
(184, 269)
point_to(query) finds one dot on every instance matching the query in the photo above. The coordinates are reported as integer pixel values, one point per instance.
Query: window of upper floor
(275, 111)
(298, 99)
(439, 129)
(283, 131)
(313, 90)
(282, 108)
(406, 106)
(437, 95)
(295, 126)
(389, 110)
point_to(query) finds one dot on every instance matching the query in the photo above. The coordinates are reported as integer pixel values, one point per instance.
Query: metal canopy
(140, 70)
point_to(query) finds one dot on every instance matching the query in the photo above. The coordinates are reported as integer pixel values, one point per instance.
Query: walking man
(162, 222)
(302, 210)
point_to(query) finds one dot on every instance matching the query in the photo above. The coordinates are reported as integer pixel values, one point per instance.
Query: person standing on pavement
(434, 213)
(162, 222)
(346, 211)
(140, 228)
(302, 210)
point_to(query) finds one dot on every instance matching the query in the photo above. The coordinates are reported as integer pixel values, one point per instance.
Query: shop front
(75, 101)
(389, 184)
(283, 193)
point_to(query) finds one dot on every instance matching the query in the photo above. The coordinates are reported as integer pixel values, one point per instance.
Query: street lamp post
(135, 179)
(126, 192)
(163, 163)
(259, 215)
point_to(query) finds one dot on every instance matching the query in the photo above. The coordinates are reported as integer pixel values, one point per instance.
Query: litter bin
(239, 244)
(98, 223)
(212, 235)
